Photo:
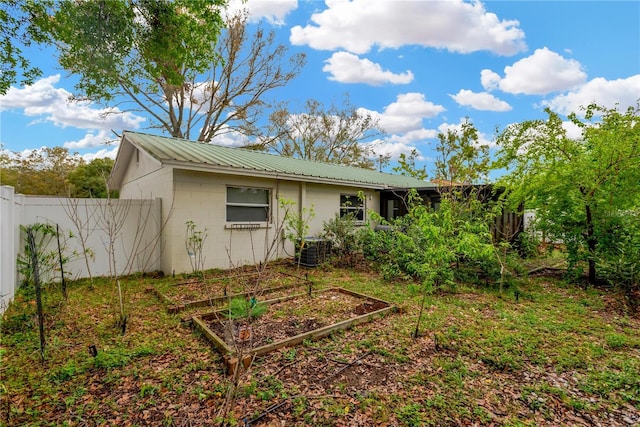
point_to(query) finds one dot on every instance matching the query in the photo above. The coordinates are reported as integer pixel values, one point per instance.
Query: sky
(420, 67)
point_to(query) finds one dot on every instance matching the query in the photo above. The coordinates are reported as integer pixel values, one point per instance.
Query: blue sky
(420, 67)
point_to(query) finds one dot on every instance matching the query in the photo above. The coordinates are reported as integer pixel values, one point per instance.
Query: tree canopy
(90, 179)
(17, 31)
(576, 185)
(194, 73)
(39, 172)
(336, 134)
(53, 171)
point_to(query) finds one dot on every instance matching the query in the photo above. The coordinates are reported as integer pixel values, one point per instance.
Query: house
(235, 194)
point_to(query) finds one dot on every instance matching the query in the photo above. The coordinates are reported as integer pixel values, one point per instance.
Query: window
(247, 204)
(351, 204)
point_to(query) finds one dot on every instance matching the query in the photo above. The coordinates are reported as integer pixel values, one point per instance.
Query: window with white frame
(351, 204)
(246, 204)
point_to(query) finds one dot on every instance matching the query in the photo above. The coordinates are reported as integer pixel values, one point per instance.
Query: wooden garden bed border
(229, 355)
(175, 307)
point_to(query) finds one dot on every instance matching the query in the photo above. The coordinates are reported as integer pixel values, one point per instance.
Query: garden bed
(215, 291)
(288, 321)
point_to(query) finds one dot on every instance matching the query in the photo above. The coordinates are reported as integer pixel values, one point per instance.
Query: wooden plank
(321, 332)
(359, 295)
(211, 336)
(295, 340)
(176, 307)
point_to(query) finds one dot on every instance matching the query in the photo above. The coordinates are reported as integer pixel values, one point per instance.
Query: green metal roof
(192, 154)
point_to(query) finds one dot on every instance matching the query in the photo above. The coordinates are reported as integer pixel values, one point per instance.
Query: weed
(616, 341)
(411, 415)
(115, 358)
(66, 372)
(148, 390)
(290, 355)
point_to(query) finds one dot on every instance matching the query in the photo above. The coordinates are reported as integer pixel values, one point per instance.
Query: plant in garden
(576, 185)
(246, 308)
(425, 245)
(619, 259)
(35, 274)
(48, 258)
(82, 219)
(297, 225)
(194, 241)
(342, 232)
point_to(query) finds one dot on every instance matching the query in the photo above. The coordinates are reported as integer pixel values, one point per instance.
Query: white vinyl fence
(101, 237)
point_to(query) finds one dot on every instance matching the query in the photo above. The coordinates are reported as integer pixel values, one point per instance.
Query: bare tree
(334, 135)
(193, 72)
(84, 221)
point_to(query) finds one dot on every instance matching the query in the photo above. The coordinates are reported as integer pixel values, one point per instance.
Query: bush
(619, 257)
(342, 232)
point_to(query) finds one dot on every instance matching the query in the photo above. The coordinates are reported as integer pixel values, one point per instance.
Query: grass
(556, 354)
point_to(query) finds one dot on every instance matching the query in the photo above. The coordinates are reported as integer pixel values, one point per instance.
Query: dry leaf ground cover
(559, 355)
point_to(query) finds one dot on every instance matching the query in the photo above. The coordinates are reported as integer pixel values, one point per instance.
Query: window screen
(247, 204)
(351, 204)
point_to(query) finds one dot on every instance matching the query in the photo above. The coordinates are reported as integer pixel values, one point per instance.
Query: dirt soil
(289, 318)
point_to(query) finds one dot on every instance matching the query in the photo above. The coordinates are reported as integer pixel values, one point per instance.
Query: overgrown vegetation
(557, 355)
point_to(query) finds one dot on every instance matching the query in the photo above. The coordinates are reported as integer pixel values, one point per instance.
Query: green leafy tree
(334, 135)
(192, 73)
(17, 31)
(425, 245)
(40, 172)
(576, 185)
(407, 166)
(90, 179)
(462, 163)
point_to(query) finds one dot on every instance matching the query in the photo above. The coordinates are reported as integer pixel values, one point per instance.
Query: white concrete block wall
(201, 197)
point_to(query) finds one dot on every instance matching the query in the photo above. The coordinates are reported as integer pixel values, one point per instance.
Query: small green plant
(148, 390)
(47, 258)
(194, 242)
(616, 341)
(296, 225)
(410, 415)
(115, 358)
(242, 308)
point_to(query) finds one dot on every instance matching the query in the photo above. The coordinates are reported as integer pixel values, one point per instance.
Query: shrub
(342, 232)
(619, 257)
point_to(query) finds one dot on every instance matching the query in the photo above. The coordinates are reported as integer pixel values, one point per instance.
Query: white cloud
(110, 152)
(480, 101)
(92, 140)
(393, 149)
(490, 80)
(230, 138)
(407, 113)
(274, 11)
(457, 127)
(606, 93)
(345, 67)
(573, 131)
(539, 74)
(51, 104)
(458, 26)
